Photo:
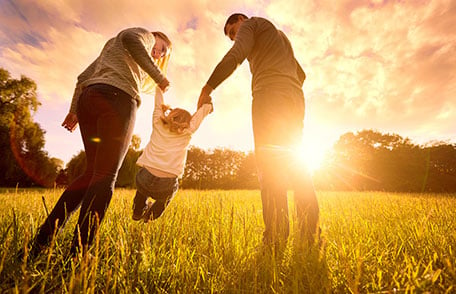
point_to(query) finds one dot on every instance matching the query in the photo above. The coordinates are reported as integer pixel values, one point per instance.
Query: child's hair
(176, 119)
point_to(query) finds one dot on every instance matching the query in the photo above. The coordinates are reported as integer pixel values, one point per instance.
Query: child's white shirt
(166, 150)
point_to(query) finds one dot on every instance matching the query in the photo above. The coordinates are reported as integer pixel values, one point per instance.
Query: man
(277, 117)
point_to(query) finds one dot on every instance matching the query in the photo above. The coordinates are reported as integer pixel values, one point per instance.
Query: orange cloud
(385, 65)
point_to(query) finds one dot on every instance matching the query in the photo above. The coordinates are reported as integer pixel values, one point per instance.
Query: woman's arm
(136, 41)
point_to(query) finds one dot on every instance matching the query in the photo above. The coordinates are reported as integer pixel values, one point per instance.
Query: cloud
(387, 65)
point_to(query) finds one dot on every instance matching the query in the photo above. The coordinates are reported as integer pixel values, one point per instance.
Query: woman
(104, 104)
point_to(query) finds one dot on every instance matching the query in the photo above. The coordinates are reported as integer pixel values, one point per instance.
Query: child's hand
(205, 100)
(209, 101)
(204, 96)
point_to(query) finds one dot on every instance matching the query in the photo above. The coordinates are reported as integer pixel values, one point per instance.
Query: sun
(312, 155)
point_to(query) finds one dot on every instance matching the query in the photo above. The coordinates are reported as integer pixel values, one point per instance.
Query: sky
(384, 65)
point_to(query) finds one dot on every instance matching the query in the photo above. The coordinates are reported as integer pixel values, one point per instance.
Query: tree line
(370, 160)
(364, 160)
(205, 169)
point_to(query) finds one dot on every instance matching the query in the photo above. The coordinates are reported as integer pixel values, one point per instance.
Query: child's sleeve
(198, 117)
(158, 112)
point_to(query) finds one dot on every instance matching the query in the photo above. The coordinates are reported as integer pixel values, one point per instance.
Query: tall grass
(211, 242)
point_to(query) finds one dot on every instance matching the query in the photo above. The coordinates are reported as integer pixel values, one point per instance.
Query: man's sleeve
(300, 72)
(242, 46)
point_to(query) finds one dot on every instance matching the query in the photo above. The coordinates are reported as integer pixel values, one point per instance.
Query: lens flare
(27, 164)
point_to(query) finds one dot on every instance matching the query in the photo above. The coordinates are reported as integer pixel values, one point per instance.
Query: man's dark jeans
(277, 117)
(106, 118)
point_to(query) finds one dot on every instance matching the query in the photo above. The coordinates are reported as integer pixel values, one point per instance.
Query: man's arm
(241, 48)
(300, 72)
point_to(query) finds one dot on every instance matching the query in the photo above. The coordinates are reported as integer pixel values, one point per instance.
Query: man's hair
(233, 19)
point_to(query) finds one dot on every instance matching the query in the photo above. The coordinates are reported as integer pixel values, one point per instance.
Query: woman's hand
(164, 85)
(71, 121)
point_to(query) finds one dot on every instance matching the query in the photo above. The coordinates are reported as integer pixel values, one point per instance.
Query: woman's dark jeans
(106, 118)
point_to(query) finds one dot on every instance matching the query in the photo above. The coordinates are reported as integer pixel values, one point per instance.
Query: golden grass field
(211, 242)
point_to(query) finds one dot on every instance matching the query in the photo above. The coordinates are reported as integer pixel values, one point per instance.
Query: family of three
(104, 105)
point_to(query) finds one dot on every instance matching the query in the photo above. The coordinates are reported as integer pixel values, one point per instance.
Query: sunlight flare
(312, 155)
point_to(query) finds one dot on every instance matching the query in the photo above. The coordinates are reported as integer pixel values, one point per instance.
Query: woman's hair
(233, 19)
(149, 84)
(177, 119)
(162, 63)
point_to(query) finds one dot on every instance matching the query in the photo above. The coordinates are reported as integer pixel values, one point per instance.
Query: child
(163, 159)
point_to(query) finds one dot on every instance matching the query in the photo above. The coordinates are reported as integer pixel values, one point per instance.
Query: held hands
(208, 100)
(204, 96)
(164, 85)
(71, 121)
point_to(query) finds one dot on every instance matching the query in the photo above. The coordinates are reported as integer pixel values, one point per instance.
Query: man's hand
(71, 121)
(164, 85)
(205, 95)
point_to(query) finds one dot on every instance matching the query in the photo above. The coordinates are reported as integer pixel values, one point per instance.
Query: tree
(247, 177)
(370, 160)
(349, 161)
(24, 161)
(223, 165)
(127, 172)
(196, 173)
(219, 169)
(440, 167)
(76, 166)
